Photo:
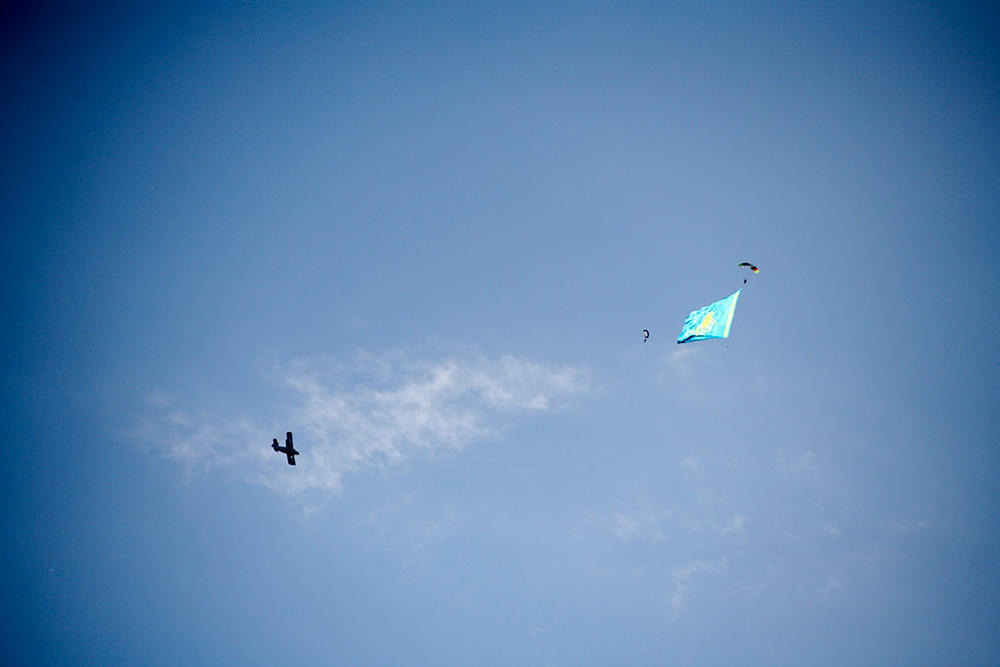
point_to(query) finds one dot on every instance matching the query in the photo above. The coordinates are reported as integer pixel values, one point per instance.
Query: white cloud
(644, 524)
(829, 588)
(708, 516)
(908, 527)
(735, 525)
(682, 579)
(382, 410)
(798, 465)
(679, 359)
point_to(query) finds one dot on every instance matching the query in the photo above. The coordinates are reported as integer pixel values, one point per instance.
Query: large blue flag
(712, 321)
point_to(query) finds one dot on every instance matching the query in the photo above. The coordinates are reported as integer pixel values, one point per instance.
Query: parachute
(749, 266)
(645, 335)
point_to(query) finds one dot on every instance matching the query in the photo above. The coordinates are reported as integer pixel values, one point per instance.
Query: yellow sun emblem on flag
(706, 324)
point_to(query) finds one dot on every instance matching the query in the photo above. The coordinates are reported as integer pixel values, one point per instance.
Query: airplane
(288, 450)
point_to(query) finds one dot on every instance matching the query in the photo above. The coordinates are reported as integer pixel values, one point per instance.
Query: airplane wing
(291, 458)
(290, 453)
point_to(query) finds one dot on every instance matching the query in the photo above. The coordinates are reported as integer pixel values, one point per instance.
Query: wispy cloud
(683, 578)
(680, 359)
(735, 525)
(706, 517)
(644, 524)
(831, 587)
(798, 465)
(379, 410)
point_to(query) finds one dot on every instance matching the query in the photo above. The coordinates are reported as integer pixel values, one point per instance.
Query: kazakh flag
(712, 321)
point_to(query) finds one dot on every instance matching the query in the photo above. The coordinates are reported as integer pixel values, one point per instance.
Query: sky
(426, 238)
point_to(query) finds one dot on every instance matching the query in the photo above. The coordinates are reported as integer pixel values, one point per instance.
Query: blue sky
(426, 239)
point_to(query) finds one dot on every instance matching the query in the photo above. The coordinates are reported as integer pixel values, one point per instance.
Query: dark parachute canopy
(749, 266)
